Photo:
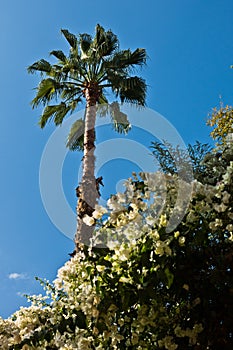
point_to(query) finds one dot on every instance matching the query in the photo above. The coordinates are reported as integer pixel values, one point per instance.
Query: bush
(142, 285)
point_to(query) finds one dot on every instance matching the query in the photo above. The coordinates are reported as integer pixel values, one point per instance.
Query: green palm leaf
(75, 140)
(42, 66)
(85, 43)
(71, 92)
(55, 112)
(126, 59)
(105, 43)
(102, 99)
(59, 55)
(71, 38)
(46, 91)
(137, 57)
(120, 121)
(133, 90)
(99, 36)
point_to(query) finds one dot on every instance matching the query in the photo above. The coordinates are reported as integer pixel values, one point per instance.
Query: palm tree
(94, 64)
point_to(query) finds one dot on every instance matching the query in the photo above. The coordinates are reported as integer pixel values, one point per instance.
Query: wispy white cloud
(17, 276)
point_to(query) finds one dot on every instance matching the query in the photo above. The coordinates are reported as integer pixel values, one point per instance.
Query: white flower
(215, 224)
(229, 227)
(88, 220)
(162, 247)
(100, 268)
(99, 212)
(220, 208)
(231, 237)
(121, 197)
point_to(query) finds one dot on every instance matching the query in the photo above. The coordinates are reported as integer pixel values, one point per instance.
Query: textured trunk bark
(87, 190)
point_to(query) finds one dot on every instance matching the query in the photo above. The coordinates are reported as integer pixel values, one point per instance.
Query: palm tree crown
(93, 65)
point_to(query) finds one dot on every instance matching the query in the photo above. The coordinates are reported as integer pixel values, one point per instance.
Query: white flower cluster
(104, 300)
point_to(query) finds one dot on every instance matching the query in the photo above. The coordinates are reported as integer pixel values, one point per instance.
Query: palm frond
(85, 43)
(46, 91)
(75, 68)
(102, 99)
(75, 140)
(59, 55)
(74, 102)
(55, 112)
(103, 110)
(115, 78)
(42, 66)
(127, 59)
(70, 92)
(99, 36)
(112, 43)
(71, 38)
(105, 43)
(137, 57)
(121, 123)
(133, 90)
(119, 119)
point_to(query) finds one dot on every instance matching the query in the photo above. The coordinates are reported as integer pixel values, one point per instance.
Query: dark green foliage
(174, 160)
(76, 136)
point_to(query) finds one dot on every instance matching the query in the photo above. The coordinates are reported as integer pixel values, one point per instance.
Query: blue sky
(190, 48)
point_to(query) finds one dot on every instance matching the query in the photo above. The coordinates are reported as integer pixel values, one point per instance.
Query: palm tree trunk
(88, 193)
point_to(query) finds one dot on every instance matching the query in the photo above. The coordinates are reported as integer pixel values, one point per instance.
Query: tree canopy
(93, 64)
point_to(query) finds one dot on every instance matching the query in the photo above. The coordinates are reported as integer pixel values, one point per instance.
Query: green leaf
(85, 43)
(120, 120)
(138, 57)
(59, 55)
(71, 38)
(133, 90)
(76, 136)
(42, 66)
(170, 277)
(57, 112)
(46, 91)
(127, 59)
(102, 99)
(105, 43)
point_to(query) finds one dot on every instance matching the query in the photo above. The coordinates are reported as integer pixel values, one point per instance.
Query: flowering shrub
(141, 286)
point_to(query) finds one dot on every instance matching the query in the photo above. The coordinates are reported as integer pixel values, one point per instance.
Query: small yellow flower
(124, 279)
(181, 240)
(163, 221)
